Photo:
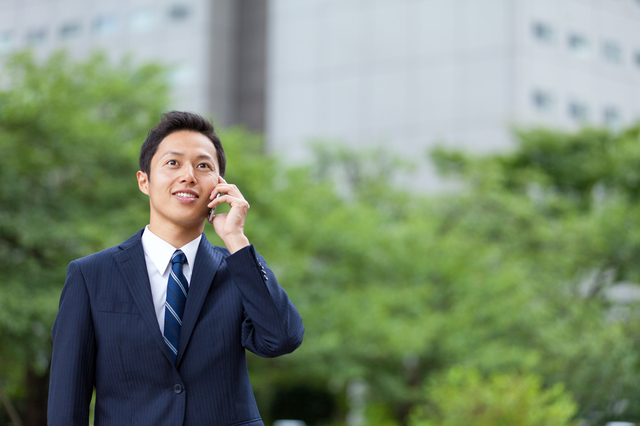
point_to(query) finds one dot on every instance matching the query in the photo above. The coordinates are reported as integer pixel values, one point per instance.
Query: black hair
(175, 121)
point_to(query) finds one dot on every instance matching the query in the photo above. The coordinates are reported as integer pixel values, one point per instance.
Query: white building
(412, 73)
(215, 47)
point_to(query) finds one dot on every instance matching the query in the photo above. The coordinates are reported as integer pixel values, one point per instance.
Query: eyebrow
(180, 154)
(172, 153)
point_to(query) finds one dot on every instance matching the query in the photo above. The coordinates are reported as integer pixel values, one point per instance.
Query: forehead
(187, 143)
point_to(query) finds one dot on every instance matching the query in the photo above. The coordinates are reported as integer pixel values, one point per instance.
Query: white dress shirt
(157, 255)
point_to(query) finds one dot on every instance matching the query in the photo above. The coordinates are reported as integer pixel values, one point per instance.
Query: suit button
(177, 389)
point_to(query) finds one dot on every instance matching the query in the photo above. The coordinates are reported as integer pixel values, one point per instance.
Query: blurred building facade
(412, 73)
(405, 73)
(215, 48)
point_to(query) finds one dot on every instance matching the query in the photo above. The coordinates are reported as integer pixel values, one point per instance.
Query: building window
(105, 25)
(36, 36)
(543, 101)
(70, 30)
(543, 32)
(179, 12)
(579, 45)
(636, 58)
(611, 116)
(612, 52)
(6, 42)
(578, 111)
(142, 20)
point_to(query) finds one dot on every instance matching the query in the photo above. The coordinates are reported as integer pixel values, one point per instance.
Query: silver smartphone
(213, 210)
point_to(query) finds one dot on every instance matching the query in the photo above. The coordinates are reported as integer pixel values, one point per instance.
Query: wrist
(236, 242)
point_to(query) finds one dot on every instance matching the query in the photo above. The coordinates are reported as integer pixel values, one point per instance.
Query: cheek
(162, 181)
(210, 182)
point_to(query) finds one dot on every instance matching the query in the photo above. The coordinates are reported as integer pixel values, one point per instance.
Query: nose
(188, 175)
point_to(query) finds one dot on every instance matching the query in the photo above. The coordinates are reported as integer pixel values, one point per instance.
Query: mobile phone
(213, 210)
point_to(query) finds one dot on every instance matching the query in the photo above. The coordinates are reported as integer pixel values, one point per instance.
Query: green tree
(462, 397)
(69, 135)
(396, 287)
(568, 215)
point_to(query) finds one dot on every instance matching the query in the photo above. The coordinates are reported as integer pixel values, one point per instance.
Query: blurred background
(447, 189)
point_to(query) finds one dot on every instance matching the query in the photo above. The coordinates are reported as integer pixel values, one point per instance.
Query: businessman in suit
(159, 324)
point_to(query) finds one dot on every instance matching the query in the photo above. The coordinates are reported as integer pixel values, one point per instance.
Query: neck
(174, 234)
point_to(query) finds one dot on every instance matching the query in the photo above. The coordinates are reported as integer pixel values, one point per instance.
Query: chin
(187, 222)
(195, 221)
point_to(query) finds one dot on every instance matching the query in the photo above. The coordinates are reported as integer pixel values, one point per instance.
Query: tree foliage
(69, 136)
(463, 397)
(578, 235)
(512, 273)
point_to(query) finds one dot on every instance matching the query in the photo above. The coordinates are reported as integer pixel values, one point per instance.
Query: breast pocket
(117, 307)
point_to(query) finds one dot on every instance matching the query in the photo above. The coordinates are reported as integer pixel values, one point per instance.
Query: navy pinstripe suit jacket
(106, 335)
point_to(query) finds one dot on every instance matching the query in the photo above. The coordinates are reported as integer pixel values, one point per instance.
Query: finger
(226, 188)
(216, 189)
(218, 220)
(223, 198)
(232, 201)
(216, 200)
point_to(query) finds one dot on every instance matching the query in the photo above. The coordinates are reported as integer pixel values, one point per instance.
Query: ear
(143, 182)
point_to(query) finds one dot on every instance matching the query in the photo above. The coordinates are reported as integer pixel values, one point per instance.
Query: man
(159, 324)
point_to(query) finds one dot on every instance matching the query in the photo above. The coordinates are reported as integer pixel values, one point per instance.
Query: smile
(185, 195)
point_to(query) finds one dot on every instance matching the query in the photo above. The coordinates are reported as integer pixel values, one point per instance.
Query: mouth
(186, 197)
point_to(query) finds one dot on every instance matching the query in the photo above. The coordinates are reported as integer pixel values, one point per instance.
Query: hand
(230, 226)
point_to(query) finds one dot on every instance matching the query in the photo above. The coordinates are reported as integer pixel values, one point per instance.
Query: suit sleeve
(272, 324)
(73, 360)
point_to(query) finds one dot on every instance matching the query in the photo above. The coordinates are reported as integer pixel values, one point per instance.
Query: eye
(172, 163)
(204, 165)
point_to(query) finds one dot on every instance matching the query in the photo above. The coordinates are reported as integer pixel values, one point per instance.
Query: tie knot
(178, 257)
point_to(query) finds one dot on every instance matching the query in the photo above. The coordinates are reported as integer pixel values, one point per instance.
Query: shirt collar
(160, 251)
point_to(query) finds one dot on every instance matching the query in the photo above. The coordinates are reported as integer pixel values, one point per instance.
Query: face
(183, 172)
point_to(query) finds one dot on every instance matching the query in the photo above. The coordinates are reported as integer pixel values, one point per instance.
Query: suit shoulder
(98, 256)
(106, 254)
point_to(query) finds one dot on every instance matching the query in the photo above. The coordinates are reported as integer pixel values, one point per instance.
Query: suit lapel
(206, 265)
(134, 269)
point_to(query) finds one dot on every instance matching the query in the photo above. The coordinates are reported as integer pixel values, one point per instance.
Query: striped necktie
(177, 289)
